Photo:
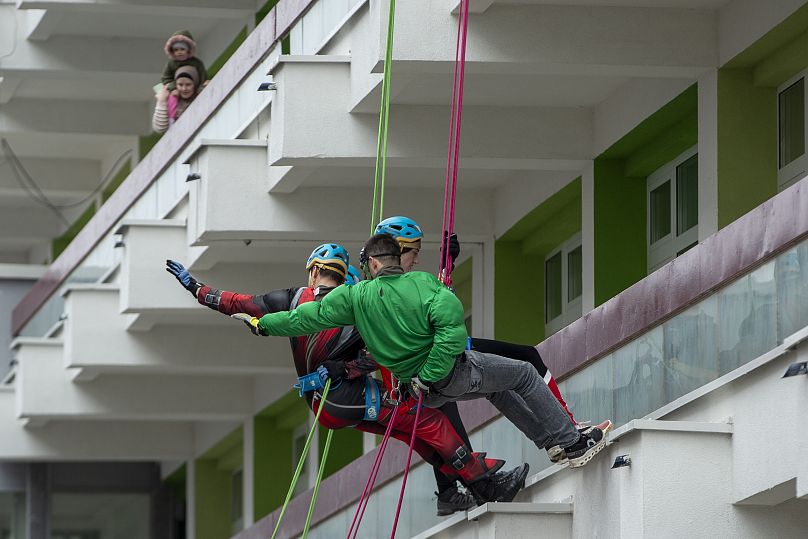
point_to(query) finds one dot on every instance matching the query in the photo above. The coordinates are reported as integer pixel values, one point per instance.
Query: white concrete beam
(311, 126)
(563, 39)
(45, 391)
(75, 116)
(98, 58)
(96, 339)
(631, 104)
(39, 223)
(216, 9)
(91, 440)
(64, 181)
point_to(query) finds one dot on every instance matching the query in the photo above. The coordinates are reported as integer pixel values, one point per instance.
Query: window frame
(671, 245)
(570, 310)
(798, 168)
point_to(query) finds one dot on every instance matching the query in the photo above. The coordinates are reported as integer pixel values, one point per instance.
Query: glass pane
(791, 270)
(791, 110)
(660, 209)
(590, 392)
(691, 348)
(552, 287)
(639, 374)
(12, 515)
(574, 269)
(747, 319)
(687, 195)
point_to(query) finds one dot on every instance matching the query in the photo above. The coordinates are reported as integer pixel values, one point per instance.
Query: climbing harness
(302, 461)
(373, 401)
(384, 117)
(453, 152)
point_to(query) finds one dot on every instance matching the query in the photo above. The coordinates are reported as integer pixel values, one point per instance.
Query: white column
(190, 499)
(248, 472)
(487, 257)
(588, 237)
(708, 153)
(368, 442)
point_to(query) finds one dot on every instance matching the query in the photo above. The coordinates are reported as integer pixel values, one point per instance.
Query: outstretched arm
(227, 302)
(334, 310)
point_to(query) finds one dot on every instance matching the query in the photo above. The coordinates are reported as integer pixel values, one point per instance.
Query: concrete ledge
(93, 287)
(523, 508)
(307, 59)
(231, 143)
(22, 271)
(34, 341)
(670, 426)
(445, 525)
(157, 223)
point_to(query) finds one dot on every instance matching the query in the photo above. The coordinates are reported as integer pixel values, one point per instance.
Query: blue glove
(335, 370)
(186, 279)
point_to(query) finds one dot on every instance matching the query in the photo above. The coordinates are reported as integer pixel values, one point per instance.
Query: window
(563, 285)
(673, 209)
(792, 162)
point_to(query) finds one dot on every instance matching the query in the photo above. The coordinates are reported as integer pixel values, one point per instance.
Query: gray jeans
(516, 390)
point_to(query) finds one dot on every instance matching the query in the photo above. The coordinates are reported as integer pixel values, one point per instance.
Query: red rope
(374, 471)
(453, 152)
(407, 466)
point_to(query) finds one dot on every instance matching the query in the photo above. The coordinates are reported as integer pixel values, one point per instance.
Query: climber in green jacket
(413, 325)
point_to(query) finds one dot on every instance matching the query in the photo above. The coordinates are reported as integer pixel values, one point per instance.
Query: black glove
(453, 245)
(335, 370)
(186, 279)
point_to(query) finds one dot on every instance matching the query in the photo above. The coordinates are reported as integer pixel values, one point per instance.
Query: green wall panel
(212, 500)
(519, 264)
(747, 144)
(620, 250)
(272, 466)
(518, 294)
(346, 446)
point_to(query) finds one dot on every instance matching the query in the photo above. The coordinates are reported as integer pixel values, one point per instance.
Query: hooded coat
(183, 36)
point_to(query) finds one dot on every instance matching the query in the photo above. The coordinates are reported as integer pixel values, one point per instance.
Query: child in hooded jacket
(181, 51)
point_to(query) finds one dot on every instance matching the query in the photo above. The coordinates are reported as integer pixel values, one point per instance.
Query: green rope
(302, 458)
(317, 484)
(384, 116)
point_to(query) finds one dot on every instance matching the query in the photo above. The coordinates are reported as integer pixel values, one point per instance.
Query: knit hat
(188, 71)
(183, 36)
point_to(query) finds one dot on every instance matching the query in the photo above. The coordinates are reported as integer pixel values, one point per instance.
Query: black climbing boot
(501, 486)
(452, 500)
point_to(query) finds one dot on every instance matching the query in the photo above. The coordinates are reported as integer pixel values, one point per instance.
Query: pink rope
(450, 147)
(453, 153)
(407, 467)
(374, 471)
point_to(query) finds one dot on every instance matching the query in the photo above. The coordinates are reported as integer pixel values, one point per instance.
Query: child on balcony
(181, 51)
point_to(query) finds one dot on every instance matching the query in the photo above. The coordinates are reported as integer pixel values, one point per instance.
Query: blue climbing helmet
(403, 229)
(329, 256)
(353, 276)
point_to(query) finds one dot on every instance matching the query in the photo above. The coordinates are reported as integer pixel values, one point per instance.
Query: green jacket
(411, 323)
